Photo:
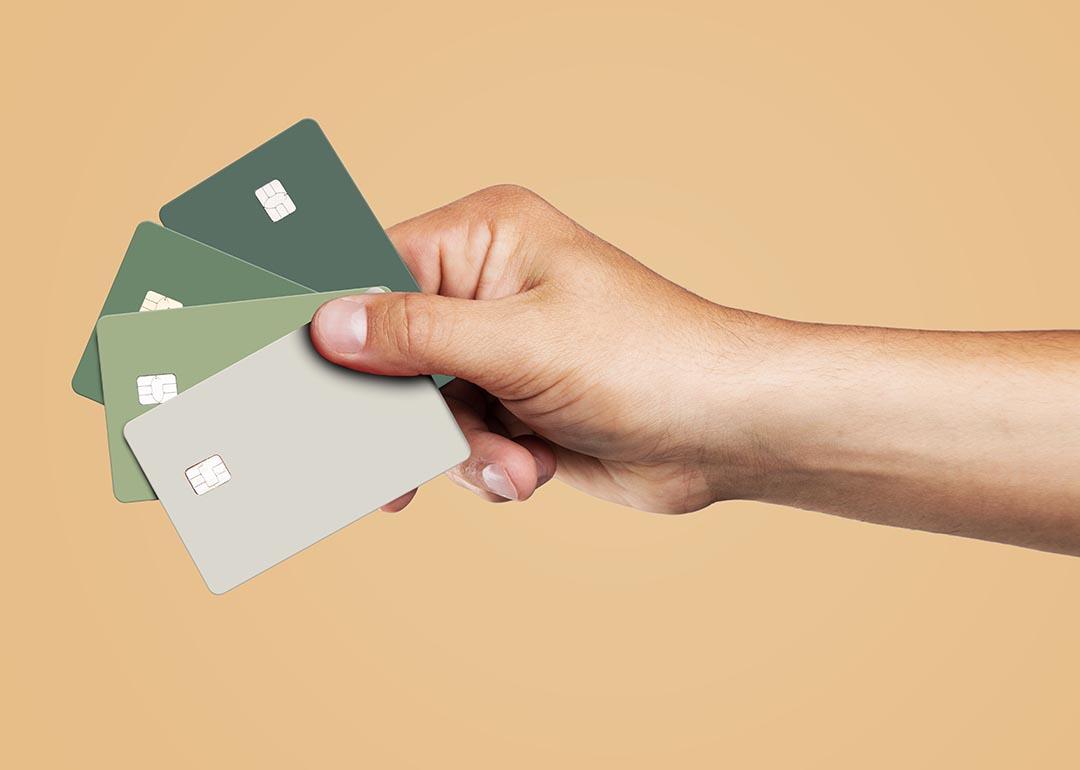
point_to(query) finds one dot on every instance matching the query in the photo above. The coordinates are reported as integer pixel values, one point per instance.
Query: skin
(578, 361)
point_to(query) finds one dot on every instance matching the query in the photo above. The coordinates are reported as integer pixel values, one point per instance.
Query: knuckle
(417, 326)
(512, 197)
(504, 213)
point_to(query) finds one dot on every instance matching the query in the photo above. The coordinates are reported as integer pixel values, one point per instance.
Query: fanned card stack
(215, 401)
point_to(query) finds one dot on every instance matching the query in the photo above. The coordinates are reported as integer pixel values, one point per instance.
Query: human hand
(573, 358)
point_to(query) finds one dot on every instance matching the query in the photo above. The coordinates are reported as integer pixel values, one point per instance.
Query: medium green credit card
(164, 270)
(150, 358)
(291, 207)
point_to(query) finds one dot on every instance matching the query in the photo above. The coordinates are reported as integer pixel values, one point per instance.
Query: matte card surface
(151, 358)
(283, 448)
(163, 270)
(291, 207)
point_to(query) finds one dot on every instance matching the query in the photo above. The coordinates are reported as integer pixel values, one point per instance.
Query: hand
(574, 358)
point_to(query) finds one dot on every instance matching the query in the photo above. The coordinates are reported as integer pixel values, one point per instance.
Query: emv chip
(208, 474)
(275, 200)
(155, 388)
(155, 301)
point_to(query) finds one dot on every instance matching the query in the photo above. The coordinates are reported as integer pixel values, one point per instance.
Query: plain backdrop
(908, 164)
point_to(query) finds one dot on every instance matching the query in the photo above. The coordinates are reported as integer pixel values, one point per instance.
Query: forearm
(976, 434)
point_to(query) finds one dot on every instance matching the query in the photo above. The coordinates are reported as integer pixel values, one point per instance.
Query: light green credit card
(150, 358)
(163, 269)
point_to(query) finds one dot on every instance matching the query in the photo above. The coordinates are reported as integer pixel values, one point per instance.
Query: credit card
(284, 448)
(166, 270)
(291, 207)
(150, 358)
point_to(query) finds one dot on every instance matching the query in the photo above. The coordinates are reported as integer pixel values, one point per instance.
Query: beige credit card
(150, 358)
(283, 448)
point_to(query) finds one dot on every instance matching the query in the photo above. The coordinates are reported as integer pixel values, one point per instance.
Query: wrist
(751, 428)
(815, 400)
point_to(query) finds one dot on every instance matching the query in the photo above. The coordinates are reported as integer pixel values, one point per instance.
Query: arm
(969, 433)
(575, 359)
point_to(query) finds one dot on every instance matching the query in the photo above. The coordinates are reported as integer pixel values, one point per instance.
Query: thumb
(407, 334)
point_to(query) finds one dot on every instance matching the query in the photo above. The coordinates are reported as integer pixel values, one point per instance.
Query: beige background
(913, 166)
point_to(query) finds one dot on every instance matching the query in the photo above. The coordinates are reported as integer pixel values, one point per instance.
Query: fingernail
(342, 325)
(496, 480)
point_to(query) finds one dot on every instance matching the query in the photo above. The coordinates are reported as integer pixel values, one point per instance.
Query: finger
(591, 475)
(470, 418)
(503, 422)
(514, 426)
(488, 342)
(463, 390)
(498, 468)
(543, 454)
(469, 248)
(399, 503)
